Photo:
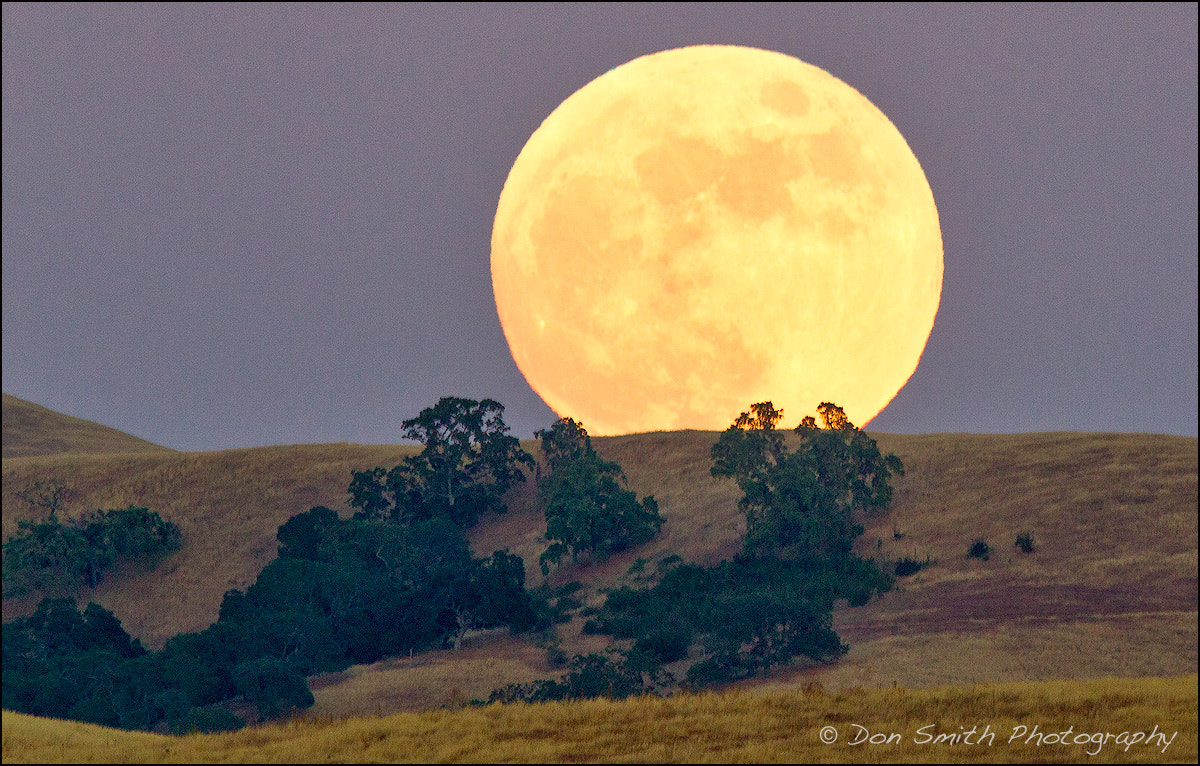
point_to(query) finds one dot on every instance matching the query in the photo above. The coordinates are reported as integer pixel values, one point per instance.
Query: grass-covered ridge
(31, 429)
(1104, 717)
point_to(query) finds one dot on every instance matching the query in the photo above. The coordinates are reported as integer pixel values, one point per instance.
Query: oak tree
(467, 464)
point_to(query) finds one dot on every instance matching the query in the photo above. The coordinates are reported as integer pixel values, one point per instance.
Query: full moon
(712, 226)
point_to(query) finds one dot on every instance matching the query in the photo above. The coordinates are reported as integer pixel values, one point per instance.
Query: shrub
(979, 549)
(907, 566)
(567, 603)
(1025, 542)
(135, 531)
(590, 676)
(555, 657)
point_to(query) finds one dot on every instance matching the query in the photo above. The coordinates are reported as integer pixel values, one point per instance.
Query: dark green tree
(750, 447)
(373, 492)
(133, 532)
(217, 649)
(58, 556)
(834, 417)
(562, 443)
(51, 557)
(467, 464)
(271, 686)
(807, 502)
(499, 583)
(588, 508)
(587, 504)
(309, 535)
(60, 662)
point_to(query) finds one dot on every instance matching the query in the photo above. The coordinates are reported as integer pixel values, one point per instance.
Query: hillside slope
(782, 727)
(31, 429)
(1110, 590)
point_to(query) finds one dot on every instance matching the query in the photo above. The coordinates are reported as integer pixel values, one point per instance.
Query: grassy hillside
(1112, 720)
(1110, 590)
(31, 429)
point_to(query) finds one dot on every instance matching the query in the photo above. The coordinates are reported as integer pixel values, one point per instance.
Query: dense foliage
(57, 557)
(62, 663)
(808, 502)
(467, 464)
(773, 603)
(355, 591)
(739, 618)
(340, 592)
(397, 577)
(590, 676)
(587, 506)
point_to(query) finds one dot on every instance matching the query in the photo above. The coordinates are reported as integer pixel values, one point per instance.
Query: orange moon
(712, 226)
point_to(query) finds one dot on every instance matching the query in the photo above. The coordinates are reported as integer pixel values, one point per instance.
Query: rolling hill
(1109, 591)
(31, 429)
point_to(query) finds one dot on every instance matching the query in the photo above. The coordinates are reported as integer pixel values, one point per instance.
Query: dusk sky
(231, 226)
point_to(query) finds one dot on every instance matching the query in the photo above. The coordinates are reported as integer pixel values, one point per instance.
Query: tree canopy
(587, 505)
(467, 464)
(57, 556)
(804, 502)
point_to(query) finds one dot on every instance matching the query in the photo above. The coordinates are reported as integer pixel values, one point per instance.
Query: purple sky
(229, 226)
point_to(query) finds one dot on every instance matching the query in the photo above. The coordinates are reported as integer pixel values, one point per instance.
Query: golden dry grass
(429, 679)
(1113, 516)
(31, 429)
(1106, 721)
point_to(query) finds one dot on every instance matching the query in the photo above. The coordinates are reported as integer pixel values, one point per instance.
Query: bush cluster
(1025, 542)
(590, 676)
(340, 592)
(743, 616)
(57, 557)
(906, 566)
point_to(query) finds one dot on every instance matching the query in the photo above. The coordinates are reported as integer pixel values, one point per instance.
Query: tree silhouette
(466, 466)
